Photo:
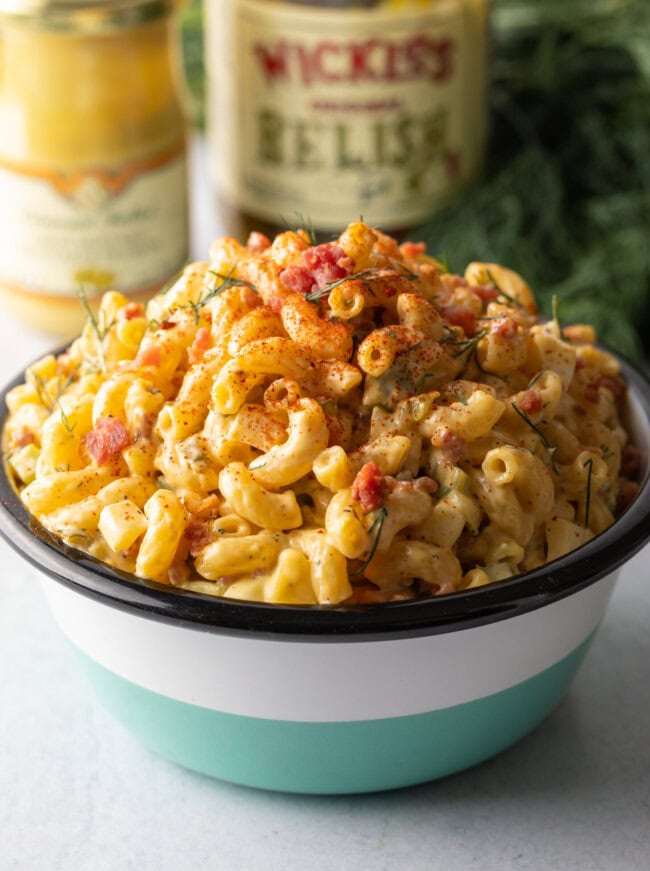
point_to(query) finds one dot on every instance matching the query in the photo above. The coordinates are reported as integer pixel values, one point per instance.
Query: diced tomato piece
(367, 487)
(327, 262)
(149, 356)
(530, 401)
(298, 279)
(460, 316)
(258, 242)
(108, 437)
(202, 341)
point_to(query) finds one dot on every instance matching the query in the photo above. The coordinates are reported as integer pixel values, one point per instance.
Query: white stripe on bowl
(333, 680)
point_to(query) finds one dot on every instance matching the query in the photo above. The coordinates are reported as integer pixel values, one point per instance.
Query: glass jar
(321, 112)
(93, 177)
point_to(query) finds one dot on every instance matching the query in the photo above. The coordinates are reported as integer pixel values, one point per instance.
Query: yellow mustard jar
(93, 176)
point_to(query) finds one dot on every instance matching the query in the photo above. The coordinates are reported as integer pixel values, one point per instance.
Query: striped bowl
(334, 700)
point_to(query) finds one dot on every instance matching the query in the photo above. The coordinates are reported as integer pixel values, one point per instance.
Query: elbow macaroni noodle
(322, 424)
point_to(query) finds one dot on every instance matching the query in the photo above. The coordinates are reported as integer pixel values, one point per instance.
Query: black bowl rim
(452, 612)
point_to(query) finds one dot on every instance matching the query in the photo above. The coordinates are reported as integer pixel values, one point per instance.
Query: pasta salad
(305, 423)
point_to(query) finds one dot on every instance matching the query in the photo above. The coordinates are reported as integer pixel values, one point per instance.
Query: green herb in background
(565, 198)
(566, 195)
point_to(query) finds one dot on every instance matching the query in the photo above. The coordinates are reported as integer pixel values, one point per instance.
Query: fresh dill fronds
(403, 269)
(100, 335)
(552, 449)
(41, 391)
(465, 345)
(64, 419)
(367, 276)
(502, 292)
(460, 396)
(225, 282)
(327, 288)
(301, 223)
(375, 528)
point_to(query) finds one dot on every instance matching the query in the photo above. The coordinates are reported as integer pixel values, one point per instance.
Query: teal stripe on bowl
(342, 757)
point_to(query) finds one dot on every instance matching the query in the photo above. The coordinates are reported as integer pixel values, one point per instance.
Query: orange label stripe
(112, 180)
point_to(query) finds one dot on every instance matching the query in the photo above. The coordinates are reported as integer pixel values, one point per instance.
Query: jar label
(338, 114)
(99, 230)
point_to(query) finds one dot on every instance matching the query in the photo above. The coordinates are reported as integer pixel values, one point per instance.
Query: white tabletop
(78, 792)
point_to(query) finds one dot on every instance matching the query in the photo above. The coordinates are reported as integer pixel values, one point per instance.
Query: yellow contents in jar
(93, 189)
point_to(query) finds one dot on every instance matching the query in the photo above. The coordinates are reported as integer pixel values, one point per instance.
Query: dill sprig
(552, 449)
(367, 276)
(326, 289)
(511, 299)
(50, 404)
(64, 419)
(225, 282)
(375, 528)
(301, 223)
(100, 334)
(590, 463)
(465, 345)
(41, 391)
(460, 397)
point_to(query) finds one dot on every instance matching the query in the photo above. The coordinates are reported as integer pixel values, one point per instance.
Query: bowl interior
(543, 585)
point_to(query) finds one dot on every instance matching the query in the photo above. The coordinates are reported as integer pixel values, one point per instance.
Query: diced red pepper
(367, 487)
(297, 279)
(109, 437)
(460, 316)
(530, 402)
